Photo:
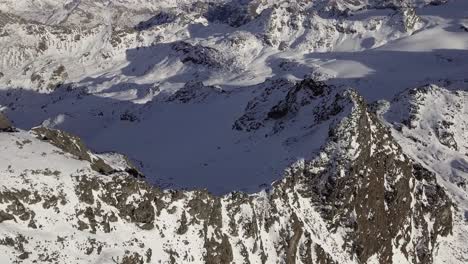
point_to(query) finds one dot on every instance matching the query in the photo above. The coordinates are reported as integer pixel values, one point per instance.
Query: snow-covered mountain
(360, 186)
(240, 131)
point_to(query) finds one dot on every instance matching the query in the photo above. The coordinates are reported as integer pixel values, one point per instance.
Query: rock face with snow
(361, 186)
(5, 124)
(431, 122)
(233, 131)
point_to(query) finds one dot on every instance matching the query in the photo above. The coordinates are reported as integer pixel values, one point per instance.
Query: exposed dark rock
(134, 258)
(5, 124)
(133, 171)
(144, 214)
(161, 18)
(4, 216)
(281, 101)
(202, 56)
(14, 242)
(218, 252)
(293, 243)
(24, 255)
(322, 256)
(195, 92)
(231, 13)
(85, 188)
(302, 94)
(129, 116)
(373, 194)
(73, 145)
(149, 254)
(445, 136)
(183, 224)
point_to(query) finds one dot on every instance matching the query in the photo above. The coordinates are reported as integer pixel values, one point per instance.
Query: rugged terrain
(234, 131)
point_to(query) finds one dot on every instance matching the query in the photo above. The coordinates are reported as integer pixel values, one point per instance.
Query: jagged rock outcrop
(5, 124)
(195, 92)
(430, 122)
(445, 125)
(74, 145)
(203, 56)
(283, 102)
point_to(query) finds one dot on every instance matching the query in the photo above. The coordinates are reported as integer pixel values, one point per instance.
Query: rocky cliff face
(430, 121)
(362, 199)
(5, 124)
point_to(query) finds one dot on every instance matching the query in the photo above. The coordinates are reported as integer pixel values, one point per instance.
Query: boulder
(5, 124)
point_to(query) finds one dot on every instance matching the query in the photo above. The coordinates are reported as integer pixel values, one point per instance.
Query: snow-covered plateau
(234, 131)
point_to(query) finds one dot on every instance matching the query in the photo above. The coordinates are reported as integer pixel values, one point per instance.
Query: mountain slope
(430, 121)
